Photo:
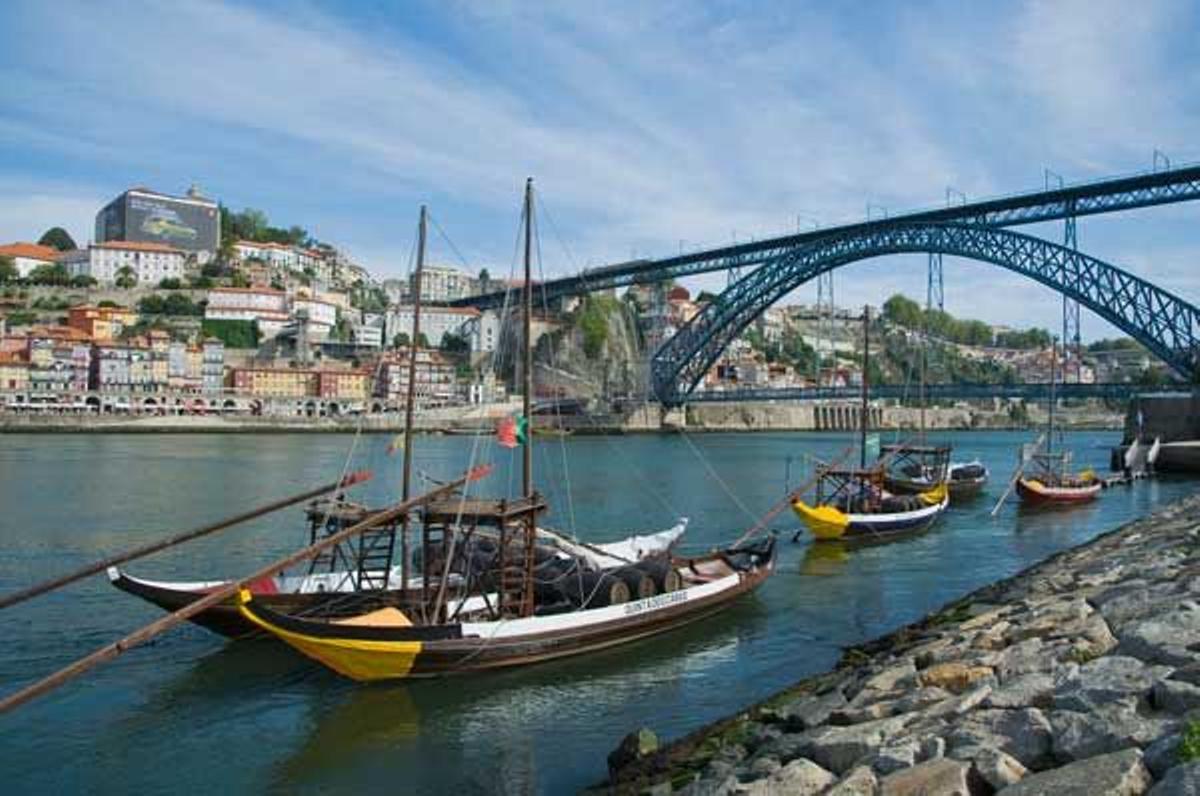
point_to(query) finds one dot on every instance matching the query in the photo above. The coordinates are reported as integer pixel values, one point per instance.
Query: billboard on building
(158, 219)
(191, 224)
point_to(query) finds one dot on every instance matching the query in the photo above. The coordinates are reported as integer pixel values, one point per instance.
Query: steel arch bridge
(1163, 322)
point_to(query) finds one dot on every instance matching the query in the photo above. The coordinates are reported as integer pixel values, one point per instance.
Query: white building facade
(436, 322)
(148, 263)
(268, 307)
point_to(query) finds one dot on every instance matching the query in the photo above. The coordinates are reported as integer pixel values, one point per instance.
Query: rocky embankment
(1080, 675)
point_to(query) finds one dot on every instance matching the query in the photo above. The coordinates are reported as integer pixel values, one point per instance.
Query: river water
(193, 713)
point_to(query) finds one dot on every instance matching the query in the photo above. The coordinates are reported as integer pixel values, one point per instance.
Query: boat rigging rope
(358, 427)
(643, 476)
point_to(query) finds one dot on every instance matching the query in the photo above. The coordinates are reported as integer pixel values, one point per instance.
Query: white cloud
(644, 124)
(28, 210)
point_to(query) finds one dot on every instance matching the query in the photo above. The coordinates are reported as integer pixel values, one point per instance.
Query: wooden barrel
(596, 589)
(666, 579)
(641, 584)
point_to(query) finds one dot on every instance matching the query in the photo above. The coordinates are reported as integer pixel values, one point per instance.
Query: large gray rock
(997, 768)
(807, 712)
(1106, 729)
(896, 677)
(940, 777)
(1024, 691)
(800, 777)
(1106, 680)
(1030, 656)
(1175, 696)
(859, 782)
(1131, 601)
(1025, 734)
(1117, 774)
(841, 748)
(896, 755)
(1162, 638)
(1181, 780)
(958, 705)
(1162, 754)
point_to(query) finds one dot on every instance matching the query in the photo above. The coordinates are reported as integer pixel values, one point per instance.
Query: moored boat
(1033, 490)
(387, 644)
(321, 592)
(966, 479)
(855, 504)
(859, 508)
(1052, 482)
(508, 606)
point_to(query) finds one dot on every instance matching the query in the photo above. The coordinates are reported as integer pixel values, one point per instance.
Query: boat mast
(406, 478)
(1053, 397)
(527, 369)
(862, 455)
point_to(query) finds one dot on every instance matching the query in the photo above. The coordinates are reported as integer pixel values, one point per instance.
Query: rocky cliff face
(597, 351)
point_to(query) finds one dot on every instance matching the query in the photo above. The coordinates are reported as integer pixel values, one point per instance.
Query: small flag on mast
(511, 431)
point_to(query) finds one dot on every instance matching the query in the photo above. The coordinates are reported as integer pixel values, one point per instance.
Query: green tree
(401, 340)
(126, 278)
(902, 311)
(170, 283)
(58, 238)
(151, 305)
(47, 274)
(234, 334)
(455, 344)
(238, 279)
(82, 280)
(8, 270)
(593, 323)
(201, 281)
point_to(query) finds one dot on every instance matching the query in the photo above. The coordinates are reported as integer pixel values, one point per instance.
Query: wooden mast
(413, 348)
(527, 366)
(862, 456)
(1053, 397)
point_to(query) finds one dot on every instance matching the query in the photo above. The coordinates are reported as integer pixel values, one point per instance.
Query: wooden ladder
(515, 562)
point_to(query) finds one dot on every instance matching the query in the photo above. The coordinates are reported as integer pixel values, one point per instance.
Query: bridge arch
(1163, 322)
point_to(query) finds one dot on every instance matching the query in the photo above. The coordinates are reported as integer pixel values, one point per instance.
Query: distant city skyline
(646, 126)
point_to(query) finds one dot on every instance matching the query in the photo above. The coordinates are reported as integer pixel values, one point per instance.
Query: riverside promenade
(1079, 675)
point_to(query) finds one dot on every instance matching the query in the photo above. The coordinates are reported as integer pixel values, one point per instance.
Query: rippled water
(192, 712)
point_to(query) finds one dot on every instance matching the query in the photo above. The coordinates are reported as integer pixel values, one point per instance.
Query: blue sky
(644, 124)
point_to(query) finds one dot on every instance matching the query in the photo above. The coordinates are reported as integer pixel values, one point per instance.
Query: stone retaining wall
(1077, 676)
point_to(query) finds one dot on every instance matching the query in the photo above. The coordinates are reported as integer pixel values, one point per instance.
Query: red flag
(506, 433)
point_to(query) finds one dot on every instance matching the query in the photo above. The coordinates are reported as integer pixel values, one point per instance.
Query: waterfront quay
(1080, 675)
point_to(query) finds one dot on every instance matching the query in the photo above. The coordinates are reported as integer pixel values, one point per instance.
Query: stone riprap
(1079, 675)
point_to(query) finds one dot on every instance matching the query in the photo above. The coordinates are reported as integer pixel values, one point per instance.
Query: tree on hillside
(126, 278)
(58, 238)
(50, 275)
(455, 344)
(902, 311)
(8, 269)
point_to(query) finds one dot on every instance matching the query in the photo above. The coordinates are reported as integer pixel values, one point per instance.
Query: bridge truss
(1166, 324)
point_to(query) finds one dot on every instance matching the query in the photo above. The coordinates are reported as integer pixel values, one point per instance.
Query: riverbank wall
(646, 418)
(1080, 675)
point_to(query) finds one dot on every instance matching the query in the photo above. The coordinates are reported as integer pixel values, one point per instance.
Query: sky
(647, 126)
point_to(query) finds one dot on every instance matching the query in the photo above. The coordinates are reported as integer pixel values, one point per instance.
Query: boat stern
(364, 660)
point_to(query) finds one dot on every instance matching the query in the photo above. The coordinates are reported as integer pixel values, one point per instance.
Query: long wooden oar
(171, 541)
(141, 636)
